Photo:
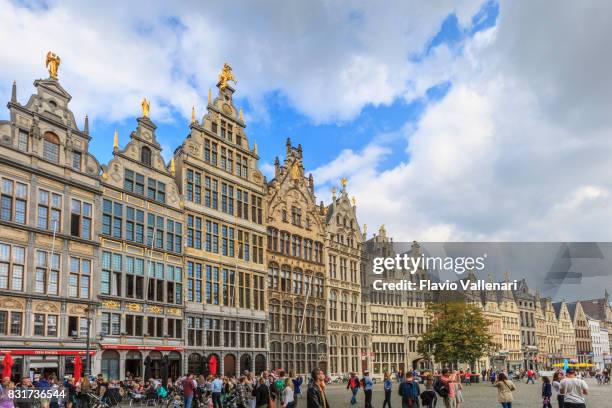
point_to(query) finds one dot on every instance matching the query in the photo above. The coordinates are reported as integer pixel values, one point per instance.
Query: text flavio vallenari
(426, 284)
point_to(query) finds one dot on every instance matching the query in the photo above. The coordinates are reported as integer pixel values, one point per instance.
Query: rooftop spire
(86, 126)
(14, 92)
(193, 115)
(115, 141)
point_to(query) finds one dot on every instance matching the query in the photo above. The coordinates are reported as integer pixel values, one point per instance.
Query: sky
(463, 120)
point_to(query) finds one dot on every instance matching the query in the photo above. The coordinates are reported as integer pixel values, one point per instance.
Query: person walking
(546, 392)
(387, 384)
(504, 390)
(297, 385)
(288, 395)
(445, 388)
(189, 386)
(429, 398)
(262, 394)
(530, 376)
(556, 385)
(574, 390)
(368, 384)
(217, 388)
(315, 396)
(353, 385)
(410, 391)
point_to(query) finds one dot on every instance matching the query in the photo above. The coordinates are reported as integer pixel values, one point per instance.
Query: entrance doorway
(133, 364)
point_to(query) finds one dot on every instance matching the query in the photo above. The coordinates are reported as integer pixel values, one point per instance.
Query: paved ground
(476, 396)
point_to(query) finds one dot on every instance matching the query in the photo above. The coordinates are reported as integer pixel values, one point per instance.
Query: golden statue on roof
(225, 76)
(145, 107)
(52, 63)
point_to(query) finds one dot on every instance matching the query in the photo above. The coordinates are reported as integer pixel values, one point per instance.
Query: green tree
(458, 333)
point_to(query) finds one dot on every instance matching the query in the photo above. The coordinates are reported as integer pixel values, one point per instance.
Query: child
(429, 397)
(177, 403)
(546, 392)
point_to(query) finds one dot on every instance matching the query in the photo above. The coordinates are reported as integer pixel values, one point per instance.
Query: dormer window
(145, 156)
(51, 147)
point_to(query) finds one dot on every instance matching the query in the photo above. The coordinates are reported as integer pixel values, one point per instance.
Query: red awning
(135, 347)
(45, 352)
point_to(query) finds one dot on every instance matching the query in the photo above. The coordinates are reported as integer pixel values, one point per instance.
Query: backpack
(440, 388)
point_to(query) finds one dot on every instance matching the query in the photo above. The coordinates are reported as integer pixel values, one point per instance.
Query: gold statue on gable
(225, 76)
(52, 63)
(296, 171)
(145, 107)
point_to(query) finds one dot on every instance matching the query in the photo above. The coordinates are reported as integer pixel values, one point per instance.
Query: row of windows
(348, 269)
(294, 245)
(13, 207)
(222, 286)
(131, 224)
(220, 238)
(124, 276)
(138, 325)
(300, 357)
(224, 158)
(11, 324)
(135, 183)
(345, 307)
(46, 273)
(51, 148)
(211, 332)
(291, 318)
(226, 198)
(295, 281)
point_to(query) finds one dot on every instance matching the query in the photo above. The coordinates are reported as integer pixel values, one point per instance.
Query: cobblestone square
(475, 396)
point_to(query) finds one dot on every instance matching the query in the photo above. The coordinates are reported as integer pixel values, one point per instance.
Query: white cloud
(518, 149)
(329, 59)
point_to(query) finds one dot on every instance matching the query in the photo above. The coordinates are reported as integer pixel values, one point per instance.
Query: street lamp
(89, 310)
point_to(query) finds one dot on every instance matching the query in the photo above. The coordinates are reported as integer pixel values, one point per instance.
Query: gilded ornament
(343, 181)
(145, 107)
(225, 76)
(52, 63)
(295, 171)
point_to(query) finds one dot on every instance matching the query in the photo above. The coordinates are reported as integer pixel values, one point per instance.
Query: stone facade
(567, 335)
(528, 306)
(584, 346)
(49, 250)
(224, 195)
(347, 327)
(296, 270)
(511, 328)
(141, 272)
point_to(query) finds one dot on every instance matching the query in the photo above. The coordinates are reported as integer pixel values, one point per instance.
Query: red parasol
(212, 365)
(7, 365)
(78, 367)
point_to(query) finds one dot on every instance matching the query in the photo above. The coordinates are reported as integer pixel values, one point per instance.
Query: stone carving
(111, 304)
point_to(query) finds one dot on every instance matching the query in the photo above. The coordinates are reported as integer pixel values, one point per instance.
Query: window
(49, 210)
(246, 333)
(195, 332)
(258, 292)
(194, 282)
(227, 241)
(227, 198)
(256, 212)
(11, 323)
(194, 232)
(76, 161)
(47, 273)
(80, 219)
(242, 204)
(174, 284)
(134, 325)
(156, 190)
(212, 237)
(175, 328)
(229, 333)
(111, 277)
(134, 285)
(155, 290)
(145, 156)
(257, 248)
(174, 236)
(211, 192)
(13, 201)
(194, 186)
(244, 247)
(244, 290)
(242, 165)
(51, 147)
(212, 285)
(79, 280)
(212, 327)
(45, 324)
(77, 326)
(112, 218)
(134, 225)
(22, 140)
(110, 324)
(134, 182)
(260, 335)
(12, 265)
(229, 280)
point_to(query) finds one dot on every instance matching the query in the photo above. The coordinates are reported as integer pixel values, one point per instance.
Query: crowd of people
(280, 390)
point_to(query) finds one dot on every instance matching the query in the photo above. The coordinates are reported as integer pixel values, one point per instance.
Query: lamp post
(89, 312)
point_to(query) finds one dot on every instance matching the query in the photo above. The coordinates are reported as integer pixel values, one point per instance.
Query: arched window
(300, 358)
(285, 282)
(275, 355)
(333, 353)
(343, 307)
(274, 316)
(273, 276)
(287, 355)
(344, 358)
(145, 156)
(299, 316)
(51, 147)
(297, 281)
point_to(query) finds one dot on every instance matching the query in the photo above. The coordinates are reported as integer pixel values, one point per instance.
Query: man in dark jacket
(315, 397)
(353, 385)
(409, 390)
